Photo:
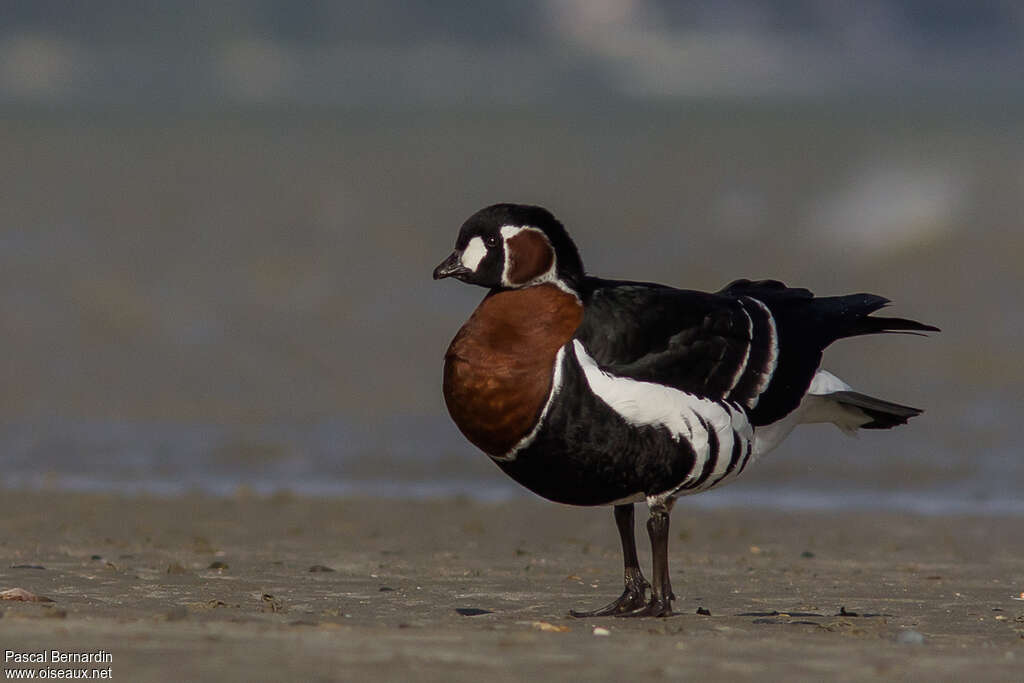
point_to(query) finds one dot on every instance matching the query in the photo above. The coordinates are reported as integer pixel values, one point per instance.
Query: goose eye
(491, 241)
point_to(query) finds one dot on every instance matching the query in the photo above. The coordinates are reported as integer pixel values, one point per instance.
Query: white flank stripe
(646, 403)
(746, 355)
(726, 440)
(474, 253)
(769, 369)
(556, 386)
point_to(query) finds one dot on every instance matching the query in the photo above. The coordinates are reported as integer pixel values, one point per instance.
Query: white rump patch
(821, 408)
(825, 382)
(815, 407)
(647, 403)
(474, 253)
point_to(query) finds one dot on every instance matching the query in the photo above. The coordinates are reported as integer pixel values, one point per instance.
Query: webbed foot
(655, 608)
(631, 600)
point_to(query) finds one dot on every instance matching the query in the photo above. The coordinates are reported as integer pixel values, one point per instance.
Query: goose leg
(633, 597)
(660, 604)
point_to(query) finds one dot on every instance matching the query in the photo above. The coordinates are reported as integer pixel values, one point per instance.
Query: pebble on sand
(910, 637)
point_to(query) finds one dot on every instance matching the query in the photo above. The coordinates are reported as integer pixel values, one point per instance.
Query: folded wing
(756, 344)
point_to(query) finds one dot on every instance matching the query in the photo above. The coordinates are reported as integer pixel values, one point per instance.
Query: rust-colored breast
(499, 367)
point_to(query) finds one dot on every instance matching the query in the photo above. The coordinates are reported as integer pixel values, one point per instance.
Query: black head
(509, 246)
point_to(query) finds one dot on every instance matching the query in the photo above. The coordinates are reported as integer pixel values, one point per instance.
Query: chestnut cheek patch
(530, 256)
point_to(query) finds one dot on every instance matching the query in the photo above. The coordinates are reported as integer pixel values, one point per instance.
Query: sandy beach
(290, 588)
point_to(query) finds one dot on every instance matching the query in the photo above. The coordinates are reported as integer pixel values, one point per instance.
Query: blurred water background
(218, 223)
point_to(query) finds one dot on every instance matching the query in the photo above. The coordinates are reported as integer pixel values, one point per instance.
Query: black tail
(850, 316)
(836, 316)
(883, 414)
(806, 325)
(869, 325)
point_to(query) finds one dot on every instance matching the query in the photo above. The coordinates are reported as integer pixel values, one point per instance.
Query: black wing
(715, 346)
(755, 343)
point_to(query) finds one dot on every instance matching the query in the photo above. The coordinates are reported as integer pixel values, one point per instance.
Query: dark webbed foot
(632, 599)
(628, 602)
(655, 608)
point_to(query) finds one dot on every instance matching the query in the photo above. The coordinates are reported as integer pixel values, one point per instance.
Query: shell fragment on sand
(551, 628)
(22, 595)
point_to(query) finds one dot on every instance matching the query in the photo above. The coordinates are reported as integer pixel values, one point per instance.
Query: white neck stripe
(556, 386)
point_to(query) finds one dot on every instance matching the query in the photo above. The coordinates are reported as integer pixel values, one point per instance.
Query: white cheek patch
(474, 253)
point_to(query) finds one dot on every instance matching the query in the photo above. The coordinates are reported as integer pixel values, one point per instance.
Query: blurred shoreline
(243, 300)
(385, 461)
